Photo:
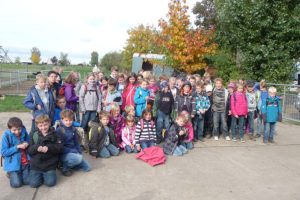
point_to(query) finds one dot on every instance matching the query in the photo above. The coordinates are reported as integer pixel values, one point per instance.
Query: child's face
(219, 85)
(186, 89)
(111, 87)
(198, 79)
(165, 89)
(104, 121)
(52, 78)
(186, 114)
(121, 81)
(43, 127)
(100, 75)
(207, 78)
(240, 89)
(209, 93)
(61, 103)
(16, 130)
(192, 81)
(250, 89)
(172, 84)
(91, 79)
(41, 83)
(132, 113)
(132, 80)
(104, 83)
(179, 83)
(144, 85)
(58, 79)
(198, 89)
(67, 122)
(152, 82)
(272, 94)
(180, 122)
(139, 79)
(147, 116)
(263, 89)
(230, 90)
(114, 73)
(130, 124)
(116, 113)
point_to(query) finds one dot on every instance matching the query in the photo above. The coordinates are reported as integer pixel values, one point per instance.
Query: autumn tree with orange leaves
(184, 48)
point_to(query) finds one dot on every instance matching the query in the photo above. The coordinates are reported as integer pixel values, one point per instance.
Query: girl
(77, 89)
(139, 79)
(128, 135)
(188, 126)
(172, 84)
(129, 91)
(104, 84)
(140, 97)
(152, 87)
(69, 92)
(145, 135)
(239, 110)
(116, 121)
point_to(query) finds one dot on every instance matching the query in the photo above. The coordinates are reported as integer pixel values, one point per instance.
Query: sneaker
(271, 141)
(67, 173)
(234, 139)
(216, 138)
(242, 140)
(257, 135)
(227, 138)
(195, 140)
(201, 140)
(208, 136)
(265, 141)
(251, 137)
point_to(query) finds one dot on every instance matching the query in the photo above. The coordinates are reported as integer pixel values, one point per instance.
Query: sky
(74, 27)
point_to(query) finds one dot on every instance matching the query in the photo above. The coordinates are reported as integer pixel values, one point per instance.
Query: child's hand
(20, 146)
(146, 98)
(236, 116)
(40, 149)
(132, 147)
(138, 147)
(39, 107)
(229, 113)
(181, 132)
(246, 116)
(192, 116)
(45, 149)
(25, 144)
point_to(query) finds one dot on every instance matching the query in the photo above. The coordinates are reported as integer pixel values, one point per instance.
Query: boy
(163, 106)
(54, 86)
(271, 112)
(263, 96)
(103, 141)
(179, 82)
(16, 160)
(44, 148)
(121, 83)
(221, 99)
(202, 105)
(185, 100)
(208, 116)
(193, 83)
(114, 73)
(254, 103)
(40, 100)
(111, 95)
(71, 156)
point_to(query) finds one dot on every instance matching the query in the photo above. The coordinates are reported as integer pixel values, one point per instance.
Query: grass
(12, 103)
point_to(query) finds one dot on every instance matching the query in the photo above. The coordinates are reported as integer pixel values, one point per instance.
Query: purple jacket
(71, 97)
(117, 127)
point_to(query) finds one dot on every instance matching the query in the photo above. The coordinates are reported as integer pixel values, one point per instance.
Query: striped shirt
(148, 134)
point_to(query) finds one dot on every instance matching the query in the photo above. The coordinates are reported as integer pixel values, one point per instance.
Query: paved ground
(213, 170)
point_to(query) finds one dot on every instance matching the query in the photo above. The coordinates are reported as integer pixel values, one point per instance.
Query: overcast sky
(74, 27)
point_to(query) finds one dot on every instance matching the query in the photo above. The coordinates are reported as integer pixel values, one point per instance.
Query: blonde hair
(129, 119)
(40, 77)
(42, 118)
(69, 114)
(128, 108)
(240, 85)
(172, 79)
(104, 114)
(147, 75)
(114, 107)
(180, 116)
(272, 89)
(89, 75)
(206, 74)
(218, 80)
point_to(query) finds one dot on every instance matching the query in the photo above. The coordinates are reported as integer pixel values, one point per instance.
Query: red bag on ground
(153, 156)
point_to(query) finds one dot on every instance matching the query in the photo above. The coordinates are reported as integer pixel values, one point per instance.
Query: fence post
(9, 77)
(18, 79)
(283, 102)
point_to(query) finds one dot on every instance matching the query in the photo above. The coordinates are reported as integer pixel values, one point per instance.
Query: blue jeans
(259, 122)
(180, 150)
(187, 145)
(77, 114)
(251, 122)
(269, 131)
(217, 118)
(74, 161)
(147, 144)
(198, 127)
(129, 150)
(19, 178)
(37, 178)
(86, 117)
(241, 125)
(108, 151)
(162, 122)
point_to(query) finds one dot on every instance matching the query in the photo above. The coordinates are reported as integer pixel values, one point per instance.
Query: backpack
(86, 89)
(62, 90)
(142, 124)
(35, 136)
(90, 132)
(166, 131)
(9, 145)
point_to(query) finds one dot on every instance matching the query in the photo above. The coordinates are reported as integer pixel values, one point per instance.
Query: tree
(63, 60)
(205, 14)
(35, 55)
(265, 36)
(17, 60)
(54, 60)
(112, 59)
(141, 40)
(94, 58)
(184, 48)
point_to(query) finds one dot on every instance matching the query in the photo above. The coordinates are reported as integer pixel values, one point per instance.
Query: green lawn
(12, 103)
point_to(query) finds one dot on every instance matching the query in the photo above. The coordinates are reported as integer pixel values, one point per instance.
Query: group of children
(131, 113)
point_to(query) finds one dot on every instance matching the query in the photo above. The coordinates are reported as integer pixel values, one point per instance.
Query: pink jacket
(152, 155)
(128, 96)
(239, 104)
(190, 135)
(128, 136)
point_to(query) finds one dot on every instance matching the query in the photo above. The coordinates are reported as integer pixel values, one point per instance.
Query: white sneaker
(216, 138)
(227, 138)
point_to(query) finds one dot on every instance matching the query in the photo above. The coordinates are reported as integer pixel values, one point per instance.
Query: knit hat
(208, 88)
(187, 83)
(250, 83)
(164, 84)
(231, 85)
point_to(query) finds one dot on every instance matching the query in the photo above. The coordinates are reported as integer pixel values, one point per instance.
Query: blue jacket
(57, 117)
(271, 109)
(111, 97)
(140, 100)
(9, 151)
(69, 139)
(202, 102)
(33, 99)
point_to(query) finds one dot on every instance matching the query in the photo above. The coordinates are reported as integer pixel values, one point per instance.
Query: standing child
(271, 112)
(263, 96)
(114, 73)
(202, 105)
(121, 83)
(45, 146)
(104, 84)
(40, 100)
(152, 87)
(172, 145)
(239, 109)
(172, 84)
(128, 135)
(231, 89)
(116, 121)
(129, 91)
(13, 148)
(130, 111)
(54, 86)
(208, 116)
(187, 140)
(69, 92)
(145, 135)
(77, 89)
(140, 98)
(71, 156)
(186, 100)
(111, 95)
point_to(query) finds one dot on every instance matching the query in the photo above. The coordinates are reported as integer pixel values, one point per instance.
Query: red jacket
(152, 155)
(128, 95)
(239, 104)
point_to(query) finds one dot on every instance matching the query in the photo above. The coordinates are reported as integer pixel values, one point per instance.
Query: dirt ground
(21, 89)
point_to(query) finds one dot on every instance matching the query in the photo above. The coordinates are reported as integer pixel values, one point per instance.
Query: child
(263, 96)
(172, 84)
(152, 88)
(208, 116)
(145, 135)
(139, 79)
(89, 100)
(239, 110)
(162, 109)
(104, 84)
(219, 107)
(128, 135)
(141, 97)
(40, 100)
(207, 77)
(187, 140)
(186, 100)
(179, 82)
(254, 102)
(16, 159)
(130, 111)
(173, 137)
(231, 89)
(111, 95)
(103, 141)
(54, 86)
(202, 105)
(120, 85)
(129, 91)
(271, 112)
(116, 121)
(71, 156)
(69, 92)
(45, 145)
(114, 73)
(193, 83)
